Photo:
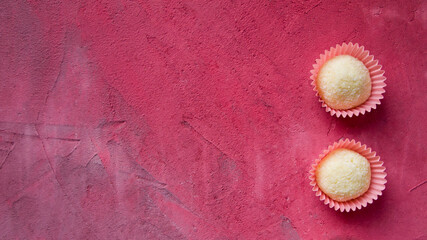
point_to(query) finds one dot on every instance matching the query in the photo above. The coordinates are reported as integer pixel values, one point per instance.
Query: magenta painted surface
(196, 119)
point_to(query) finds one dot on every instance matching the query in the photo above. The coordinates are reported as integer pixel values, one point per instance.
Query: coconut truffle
(343, 175)
(343, 82)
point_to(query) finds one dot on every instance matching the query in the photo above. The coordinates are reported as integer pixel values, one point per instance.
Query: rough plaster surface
(196, 119)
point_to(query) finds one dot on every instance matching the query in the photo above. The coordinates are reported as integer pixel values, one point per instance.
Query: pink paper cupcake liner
(376, 187)
(375, 72)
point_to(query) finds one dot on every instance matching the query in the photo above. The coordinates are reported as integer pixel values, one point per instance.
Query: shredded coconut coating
(344, 175)
(344, 82)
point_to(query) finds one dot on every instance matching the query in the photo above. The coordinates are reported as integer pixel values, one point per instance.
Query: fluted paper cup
(375, 72)
(376, 186)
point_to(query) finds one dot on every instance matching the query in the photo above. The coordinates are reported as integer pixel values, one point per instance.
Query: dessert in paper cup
(347, 176)
(347, 80)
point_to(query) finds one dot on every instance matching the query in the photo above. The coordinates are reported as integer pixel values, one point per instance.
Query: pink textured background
(196, 119)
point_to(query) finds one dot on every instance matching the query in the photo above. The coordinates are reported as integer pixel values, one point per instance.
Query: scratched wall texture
(196, 119)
